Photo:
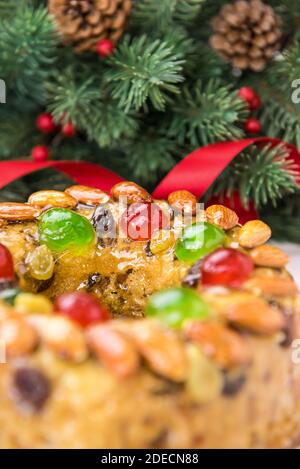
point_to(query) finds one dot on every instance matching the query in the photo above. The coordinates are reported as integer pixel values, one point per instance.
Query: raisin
(148, 250)
(93, 279)
(31, 388)
(104, 223)
(233, 383)
(193, 276)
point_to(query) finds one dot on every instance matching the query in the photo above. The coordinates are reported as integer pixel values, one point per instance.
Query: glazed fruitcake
(133, 326)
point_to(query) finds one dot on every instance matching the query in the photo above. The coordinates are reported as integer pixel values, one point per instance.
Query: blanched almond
(272, 286)
(269, 256)
(132, 191)
(88, 195)
(116, 351)
(254, 233)
(52, 199)
(225, 347)
(18, 212)
(162, 348)
(183, 201)
(222, 216)
(19, 337)
(62, 336)
(250, 312)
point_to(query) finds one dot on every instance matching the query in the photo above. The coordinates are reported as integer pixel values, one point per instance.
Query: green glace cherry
(63, 230)
(176, 305)
(198, 240)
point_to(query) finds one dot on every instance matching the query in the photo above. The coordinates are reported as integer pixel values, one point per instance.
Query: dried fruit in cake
(81, 308)
(141, 220)
(177, 305)
(61, 229)
(226, 266)
(198, 240)
(6, 265)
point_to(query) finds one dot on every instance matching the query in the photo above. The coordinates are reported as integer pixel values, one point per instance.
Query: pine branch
(281, 120)
(143, 70)
(206, 113)
(17, 133)
(159, 14)
(28, 50)
(70, 96)
(150, 156)
(285, 222)
(264, 175)
(84, 101)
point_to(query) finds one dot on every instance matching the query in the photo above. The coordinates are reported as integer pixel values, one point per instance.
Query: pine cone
(83, 23)
(247, 34)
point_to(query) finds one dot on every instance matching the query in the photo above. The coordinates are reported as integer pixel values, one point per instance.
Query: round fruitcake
(211, 364)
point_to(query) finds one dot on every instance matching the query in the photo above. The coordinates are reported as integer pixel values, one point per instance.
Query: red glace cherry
(82, 308)
(140, 221)
(6, 264)
(226, 266)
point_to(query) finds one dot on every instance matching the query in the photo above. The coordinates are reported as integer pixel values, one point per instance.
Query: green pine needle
(159, 14)
(70, 96)
(144, 70)
(74, 97)
(206, 113)
(28, 51)
(18, 133)
(150, 157)
(264, 175)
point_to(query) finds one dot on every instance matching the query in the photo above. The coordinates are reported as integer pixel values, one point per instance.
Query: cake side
(211, 365)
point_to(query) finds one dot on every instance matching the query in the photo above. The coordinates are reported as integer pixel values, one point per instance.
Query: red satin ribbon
(88, 174)
(196, 172)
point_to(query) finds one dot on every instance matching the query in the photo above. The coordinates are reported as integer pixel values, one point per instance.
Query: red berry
(248, 94)
(140, 221)
(45, 123)
(226, 266)
(252, 126)
(6, 264)
(40, 153)
(105, 47)
(68, 130)
(255, 103)
(81, 308)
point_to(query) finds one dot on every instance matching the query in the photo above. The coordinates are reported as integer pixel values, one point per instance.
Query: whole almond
(18, 212)
(52, 198)
(62, 336)
(269, 256)
(88, 195)
(227, 348)
(132, 191)
(183, 201)
(18, 337)
(254, 233)
(162, 349)
(272, 286)
(222, 216)
(249, 312)
(116, 351)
